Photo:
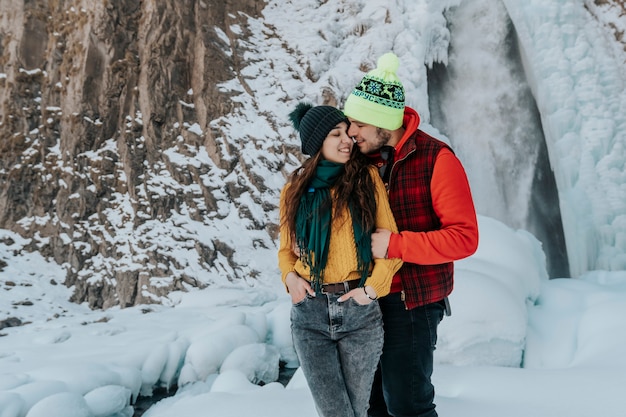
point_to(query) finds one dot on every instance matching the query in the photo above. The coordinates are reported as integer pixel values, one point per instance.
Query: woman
(329, 208)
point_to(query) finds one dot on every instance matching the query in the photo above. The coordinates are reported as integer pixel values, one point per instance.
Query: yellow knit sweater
(342, 256)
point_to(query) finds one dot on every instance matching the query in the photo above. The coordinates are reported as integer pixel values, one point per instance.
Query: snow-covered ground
(516, 344)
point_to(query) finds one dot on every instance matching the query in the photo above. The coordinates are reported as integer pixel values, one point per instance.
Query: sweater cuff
(381, 290)
(394, 250)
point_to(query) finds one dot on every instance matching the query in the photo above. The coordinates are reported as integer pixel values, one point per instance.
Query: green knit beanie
(314, 124)
(379, 98)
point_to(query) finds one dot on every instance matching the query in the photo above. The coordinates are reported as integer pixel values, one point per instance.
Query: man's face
(368, 138)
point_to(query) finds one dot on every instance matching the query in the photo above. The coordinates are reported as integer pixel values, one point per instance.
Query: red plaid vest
(411, 203)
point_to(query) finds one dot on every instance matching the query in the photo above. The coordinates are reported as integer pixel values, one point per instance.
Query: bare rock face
(97, 101)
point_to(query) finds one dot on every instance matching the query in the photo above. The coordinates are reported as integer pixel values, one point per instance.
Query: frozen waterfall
(481, 101)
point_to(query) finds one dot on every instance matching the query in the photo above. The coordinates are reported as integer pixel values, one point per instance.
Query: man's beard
(382, 138)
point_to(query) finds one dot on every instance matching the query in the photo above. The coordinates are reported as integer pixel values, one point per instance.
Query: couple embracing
(370, 227)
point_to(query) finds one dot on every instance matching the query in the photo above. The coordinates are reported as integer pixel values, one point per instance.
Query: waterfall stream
(481, 101)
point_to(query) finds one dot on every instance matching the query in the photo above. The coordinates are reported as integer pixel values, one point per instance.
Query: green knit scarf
(313, 221)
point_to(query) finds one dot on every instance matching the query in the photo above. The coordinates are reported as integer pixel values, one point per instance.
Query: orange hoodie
(453, 204)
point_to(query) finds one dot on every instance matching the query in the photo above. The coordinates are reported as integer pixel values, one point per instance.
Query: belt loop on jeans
(340, 287)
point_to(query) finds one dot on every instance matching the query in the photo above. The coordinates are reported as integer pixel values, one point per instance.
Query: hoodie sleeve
(452, 201)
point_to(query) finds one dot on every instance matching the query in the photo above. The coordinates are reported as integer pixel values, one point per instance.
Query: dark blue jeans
(338, 346)
(402, 385)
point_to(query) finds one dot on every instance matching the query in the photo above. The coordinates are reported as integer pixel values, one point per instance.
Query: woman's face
(337, 146)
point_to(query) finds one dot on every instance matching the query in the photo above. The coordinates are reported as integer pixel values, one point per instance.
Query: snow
(517, 344)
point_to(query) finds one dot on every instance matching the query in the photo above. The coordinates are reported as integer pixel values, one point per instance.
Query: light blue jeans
(338, 346)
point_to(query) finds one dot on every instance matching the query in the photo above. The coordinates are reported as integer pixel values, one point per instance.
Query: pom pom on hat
(379, 98)
(314, 124)
(298, 113)
(388, 63)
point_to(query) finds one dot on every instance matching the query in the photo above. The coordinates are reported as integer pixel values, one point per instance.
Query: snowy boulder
(64, 404)
(259, 362)
(152, 367)
(493, 290)
(175, 361)
(232, 381)
(574, 322)
(279, 321)
(80, 377)
(129, 378)
(109, 400)
(205, 355)
(187, 375)
(33, 392)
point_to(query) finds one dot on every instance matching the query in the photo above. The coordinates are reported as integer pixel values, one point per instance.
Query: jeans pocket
(362, 317)
(356, 303)
(307, 296)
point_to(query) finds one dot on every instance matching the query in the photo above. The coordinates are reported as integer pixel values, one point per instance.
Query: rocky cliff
(143, 143)
(108, 135)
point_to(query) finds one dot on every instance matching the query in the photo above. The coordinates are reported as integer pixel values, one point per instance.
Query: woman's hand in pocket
(362, 295)
(298, 287)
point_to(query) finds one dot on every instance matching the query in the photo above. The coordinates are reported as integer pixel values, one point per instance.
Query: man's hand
(380, 243)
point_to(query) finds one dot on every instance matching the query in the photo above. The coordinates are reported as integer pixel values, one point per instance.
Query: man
(431, 200)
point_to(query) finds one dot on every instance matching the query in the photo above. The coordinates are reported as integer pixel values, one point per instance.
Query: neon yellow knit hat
(379, 98)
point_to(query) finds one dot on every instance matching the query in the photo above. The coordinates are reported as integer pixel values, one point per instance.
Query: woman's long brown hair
(355, 190)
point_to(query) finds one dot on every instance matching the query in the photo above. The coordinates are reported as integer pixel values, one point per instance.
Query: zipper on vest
(403, 298)
(393, 165)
